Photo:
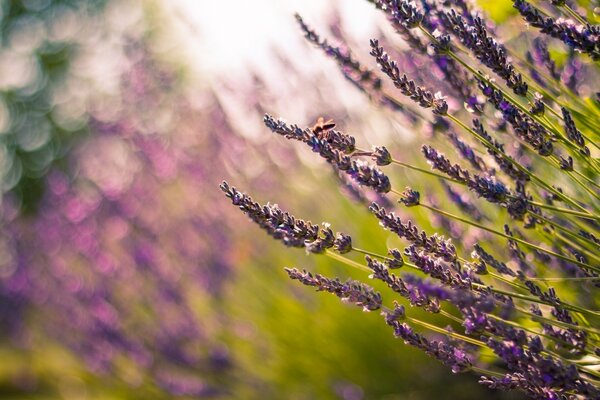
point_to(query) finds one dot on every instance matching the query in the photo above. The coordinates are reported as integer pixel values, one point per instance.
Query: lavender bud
(538, 107)
(571, 130)
(498, 148)
(343, 243)
(488, 259)
(396, 261)
(524, 126)
(409, 197)
(442, 45)
(566, 164)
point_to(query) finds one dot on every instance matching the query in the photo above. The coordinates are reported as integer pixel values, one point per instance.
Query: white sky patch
(228, 36)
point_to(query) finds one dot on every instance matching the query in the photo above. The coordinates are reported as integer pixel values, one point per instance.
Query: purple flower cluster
(350, 291)
(523, 125)
(541, 345)
(581, 38)
(335, 148)
(476, 38)
(436, 244)
(408, 87)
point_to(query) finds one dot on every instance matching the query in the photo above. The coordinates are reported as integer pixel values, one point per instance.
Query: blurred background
(124, 271)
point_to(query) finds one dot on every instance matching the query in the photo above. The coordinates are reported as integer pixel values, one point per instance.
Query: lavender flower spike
(487, 50)
(438, 245)
(281, 225)
(408, 88)
(351, 291)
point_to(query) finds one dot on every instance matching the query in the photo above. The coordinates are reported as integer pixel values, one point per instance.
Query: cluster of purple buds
(451, 355)
(351, 291)
(360, 76)
(403, 12)
(487, 187)
(436, 268)
(581, 38)
(277, 223)
(573, 133)
(438, 245)
(483, 256)
(335, 148)
(475, 37)
(524, 126)
(408, 87)
(498, 148)
(410, 197)
(416, 297)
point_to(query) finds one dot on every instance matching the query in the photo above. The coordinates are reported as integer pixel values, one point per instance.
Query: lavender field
(351, 200)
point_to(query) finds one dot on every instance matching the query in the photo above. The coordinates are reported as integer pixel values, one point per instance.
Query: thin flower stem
(557, 323)
(346, 260)
(447, 332)
(369, 253)
(572, 234)
(360, 152)
(499, 233)
(447, 178)
(533, 299)
(567, 279)
(575, 15)
(564, 210)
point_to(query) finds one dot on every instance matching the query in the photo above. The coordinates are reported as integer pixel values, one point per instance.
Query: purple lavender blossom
(436, 244)
(581, 38)
(408, 88)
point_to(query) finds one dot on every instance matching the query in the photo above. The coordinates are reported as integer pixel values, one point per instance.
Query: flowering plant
(518, 296)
